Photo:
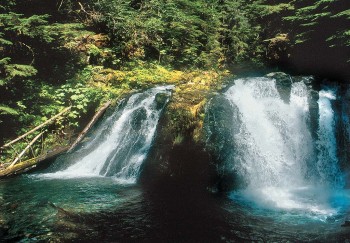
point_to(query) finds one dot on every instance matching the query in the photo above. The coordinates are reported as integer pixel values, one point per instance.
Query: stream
(278, 149)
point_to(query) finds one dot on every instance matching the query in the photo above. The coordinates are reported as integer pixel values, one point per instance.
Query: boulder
(346, 223)
(161, 99)
(283, 84)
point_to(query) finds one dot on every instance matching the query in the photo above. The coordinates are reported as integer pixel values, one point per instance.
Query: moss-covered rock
(161, 99)
(179, 148)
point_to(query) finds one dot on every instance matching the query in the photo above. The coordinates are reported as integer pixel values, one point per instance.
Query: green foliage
(79, 96)
(67, 32)
(15, 30)
(241, 30)
(33, 26)
(309, 20)
(50, 60)
(317, 30)
(180, 33)
(18, 70)
(278, 8)
(7, 110)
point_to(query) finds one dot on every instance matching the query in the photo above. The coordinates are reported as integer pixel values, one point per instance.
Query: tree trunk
(31, 163)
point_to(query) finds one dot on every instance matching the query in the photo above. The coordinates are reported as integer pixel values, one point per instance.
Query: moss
(185, 113)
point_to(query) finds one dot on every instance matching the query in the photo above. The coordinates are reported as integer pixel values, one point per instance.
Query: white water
(327, 164)
(274, 151)
(122, 149)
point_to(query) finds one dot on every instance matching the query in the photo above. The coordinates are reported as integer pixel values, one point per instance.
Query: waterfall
(274, 135)
(327, 163)
(122, 141)
(274, 152)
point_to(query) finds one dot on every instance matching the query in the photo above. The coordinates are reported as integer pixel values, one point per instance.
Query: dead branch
(38, 127)
(31, 163)
(25, 150)
(94, 119)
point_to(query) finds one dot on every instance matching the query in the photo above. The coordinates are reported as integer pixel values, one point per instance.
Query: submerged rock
(346, 223)
(138, 117)
(3, 227)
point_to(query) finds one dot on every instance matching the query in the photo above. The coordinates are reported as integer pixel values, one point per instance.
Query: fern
(5, 110)
(18, 70)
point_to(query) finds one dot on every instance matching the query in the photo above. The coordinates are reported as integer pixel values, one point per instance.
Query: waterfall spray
(120, 151)
(281, 163)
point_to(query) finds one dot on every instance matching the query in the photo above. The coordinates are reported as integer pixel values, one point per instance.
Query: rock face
(219, 127)
(161, 99)
(138, 117)
(346, 224)
(178, 155)
(343, 132)
(283, 84)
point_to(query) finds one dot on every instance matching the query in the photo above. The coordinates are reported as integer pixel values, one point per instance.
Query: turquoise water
(32, 207)
(290, 190)
(91, 209)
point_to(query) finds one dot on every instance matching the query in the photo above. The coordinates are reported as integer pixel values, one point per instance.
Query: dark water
(99, 209)
(170, 201)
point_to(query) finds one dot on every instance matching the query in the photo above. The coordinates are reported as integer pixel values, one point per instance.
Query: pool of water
(89, 209)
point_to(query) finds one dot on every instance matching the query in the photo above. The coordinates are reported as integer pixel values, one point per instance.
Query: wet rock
(283, 84)
(346, 223)
(138, 117)
(222, 122)
(63, 212)
(161, 99)
(3, 227)
(178, 149)
(13, 206)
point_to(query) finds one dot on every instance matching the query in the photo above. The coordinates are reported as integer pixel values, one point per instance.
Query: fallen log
(38, 127)
(24, 166)
(31, 163)
(94, 119)
(25, 150)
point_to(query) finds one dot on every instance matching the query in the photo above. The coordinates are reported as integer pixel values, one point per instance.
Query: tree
(319, 34)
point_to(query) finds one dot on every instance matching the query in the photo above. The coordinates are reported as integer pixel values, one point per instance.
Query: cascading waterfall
(122, 141)
(327, 159)
(274, 152)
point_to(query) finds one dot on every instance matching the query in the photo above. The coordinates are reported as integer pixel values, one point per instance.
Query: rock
(178, 150)
(222, 122)
(3, 227)
(277, 75)
(138, 117)
(161, 99)
(346, 223)
(283, 84)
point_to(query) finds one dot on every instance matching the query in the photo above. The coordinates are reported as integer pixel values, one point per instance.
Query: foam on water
(275, 153)
(120, 151)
